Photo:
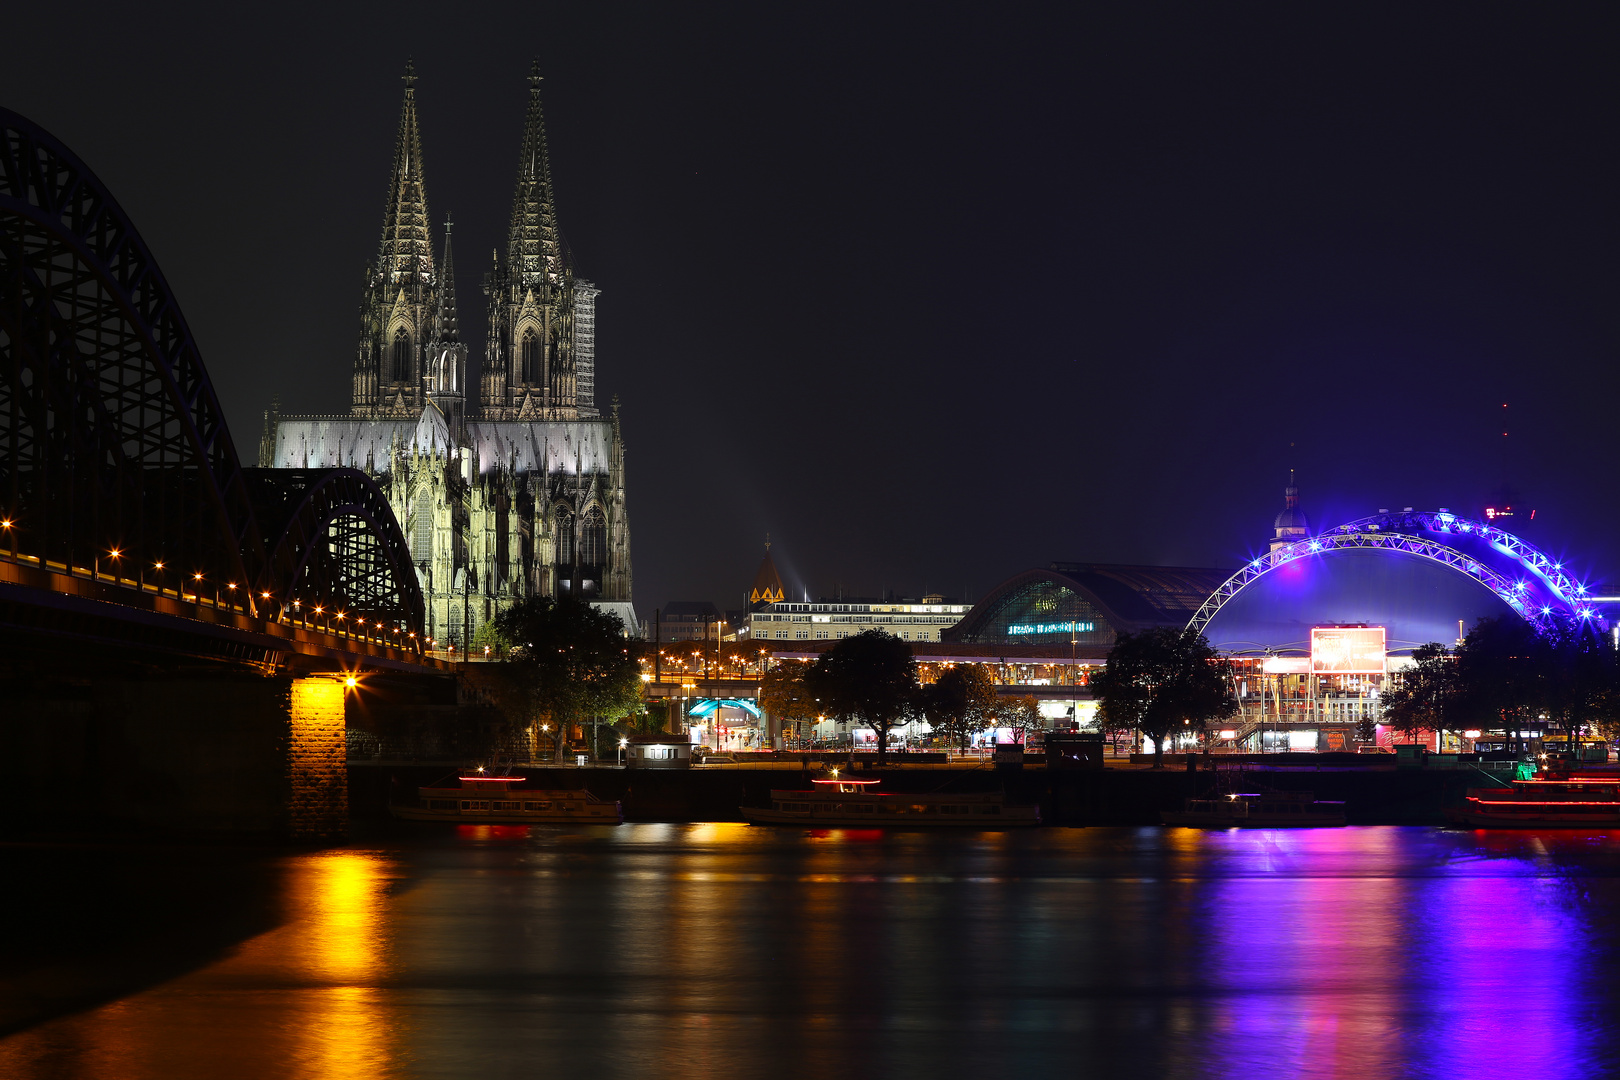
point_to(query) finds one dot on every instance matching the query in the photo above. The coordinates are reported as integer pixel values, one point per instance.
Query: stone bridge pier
(228, 754)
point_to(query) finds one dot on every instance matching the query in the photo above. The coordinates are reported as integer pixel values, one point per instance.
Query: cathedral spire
(407, 249)
(447, 366)
(533, 250)
(448, 331)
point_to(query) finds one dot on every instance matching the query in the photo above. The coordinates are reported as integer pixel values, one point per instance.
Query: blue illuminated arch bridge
(1431, 569)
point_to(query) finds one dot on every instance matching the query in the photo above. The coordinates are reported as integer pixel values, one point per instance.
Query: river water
(721, 950)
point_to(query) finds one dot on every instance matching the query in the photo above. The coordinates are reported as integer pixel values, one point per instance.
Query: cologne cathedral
(518, 491)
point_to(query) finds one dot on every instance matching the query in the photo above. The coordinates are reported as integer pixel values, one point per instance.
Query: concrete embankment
(1108, 797)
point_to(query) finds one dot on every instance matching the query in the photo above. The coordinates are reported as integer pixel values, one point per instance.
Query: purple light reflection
(1397, 952)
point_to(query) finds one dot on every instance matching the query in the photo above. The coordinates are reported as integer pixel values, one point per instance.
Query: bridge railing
(232, 597)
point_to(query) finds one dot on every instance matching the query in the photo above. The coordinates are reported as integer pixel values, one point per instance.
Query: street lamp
(622, 744)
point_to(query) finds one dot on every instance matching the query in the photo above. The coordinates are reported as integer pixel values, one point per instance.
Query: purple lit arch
(1528, 580)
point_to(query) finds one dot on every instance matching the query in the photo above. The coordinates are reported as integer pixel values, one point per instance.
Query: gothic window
(531, 357)
(565, 537)
(422, 528)
(593, 538)
(402, 356)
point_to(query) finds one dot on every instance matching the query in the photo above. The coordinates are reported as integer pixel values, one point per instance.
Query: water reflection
(302, 1000)
(722, 950)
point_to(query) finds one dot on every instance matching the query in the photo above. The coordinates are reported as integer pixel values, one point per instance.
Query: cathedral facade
(519, 491)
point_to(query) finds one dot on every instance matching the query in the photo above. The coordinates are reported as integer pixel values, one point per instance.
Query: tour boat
(1550, 799)
(837, 801)
(1256, 809)
(500, 800)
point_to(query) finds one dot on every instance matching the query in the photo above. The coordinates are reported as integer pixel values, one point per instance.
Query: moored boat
(836, 801)
(503, 800)
(1552, 798)
(1257, 809)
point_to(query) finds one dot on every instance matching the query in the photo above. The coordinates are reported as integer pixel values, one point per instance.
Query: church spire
(448, 331)
(767, 582)
(533, 250)
(407, 249)
(1290, 525)
(447, 356)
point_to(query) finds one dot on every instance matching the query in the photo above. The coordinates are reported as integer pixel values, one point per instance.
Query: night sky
(933, 293)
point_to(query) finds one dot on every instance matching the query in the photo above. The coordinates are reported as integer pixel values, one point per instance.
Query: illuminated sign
(1347, 650)
(1052, 628)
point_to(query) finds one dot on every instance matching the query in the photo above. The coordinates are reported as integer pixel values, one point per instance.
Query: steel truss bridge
(126, 516)
(1528, 580)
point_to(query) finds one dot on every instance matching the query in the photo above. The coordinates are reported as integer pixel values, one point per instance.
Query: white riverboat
(502, 800)
(837, 802)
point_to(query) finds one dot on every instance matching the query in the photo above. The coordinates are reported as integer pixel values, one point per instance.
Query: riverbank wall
(1385, 796)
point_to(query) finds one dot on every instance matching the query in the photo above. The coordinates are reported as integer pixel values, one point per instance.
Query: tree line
(1508, 676)
(570, 664)
(871, 679)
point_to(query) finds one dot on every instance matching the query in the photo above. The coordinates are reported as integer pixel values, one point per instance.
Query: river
(658, 950)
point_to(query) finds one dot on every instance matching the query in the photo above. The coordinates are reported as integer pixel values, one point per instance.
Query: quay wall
(1372, 796)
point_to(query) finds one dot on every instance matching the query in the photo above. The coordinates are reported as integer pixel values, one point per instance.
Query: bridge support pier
(230, 754)
(317, 765)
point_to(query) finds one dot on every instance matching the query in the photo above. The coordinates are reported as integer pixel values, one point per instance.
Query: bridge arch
(111, 436)
(1531, 583)
(339, 547)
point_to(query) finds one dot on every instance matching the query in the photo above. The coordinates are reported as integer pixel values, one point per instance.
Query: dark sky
(934, 293)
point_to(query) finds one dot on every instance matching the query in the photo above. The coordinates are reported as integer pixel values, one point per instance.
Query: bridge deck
(90, 605)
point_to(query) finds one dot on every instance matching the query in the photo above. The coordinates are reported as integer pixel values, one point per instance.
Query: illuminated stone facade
(522, 492)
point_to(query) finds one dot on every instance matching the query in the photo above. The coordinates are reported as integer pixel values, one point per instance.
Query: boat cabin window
(441, 804)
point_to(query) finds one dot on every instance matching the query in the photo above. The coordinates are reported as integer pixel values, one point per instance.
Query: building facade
(521, 491)
(830, 620)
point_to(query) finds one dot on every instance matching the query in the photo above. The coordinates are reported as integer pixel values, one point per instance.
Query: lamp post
(622, 744)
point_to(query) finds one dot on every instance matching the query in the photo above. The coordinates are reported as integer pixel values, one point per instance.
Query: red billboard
(1347, 650)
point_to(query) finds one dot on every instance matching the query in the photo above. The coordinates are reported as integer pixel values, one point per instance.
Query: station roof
(1084, 605)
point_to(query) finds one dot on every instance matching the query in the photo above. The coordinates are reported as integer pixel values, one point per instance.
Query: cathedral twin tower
(539, 361)
(520, 491)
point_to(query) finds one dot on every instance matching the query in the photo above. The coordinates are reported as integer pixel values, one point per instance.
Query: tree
(1502, 668)
(784, 694)
(1022, 714)
(959, 702)
(1429, 696)
(571, 661)
(1161, 679)
(869, 677)
(1583, 681)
